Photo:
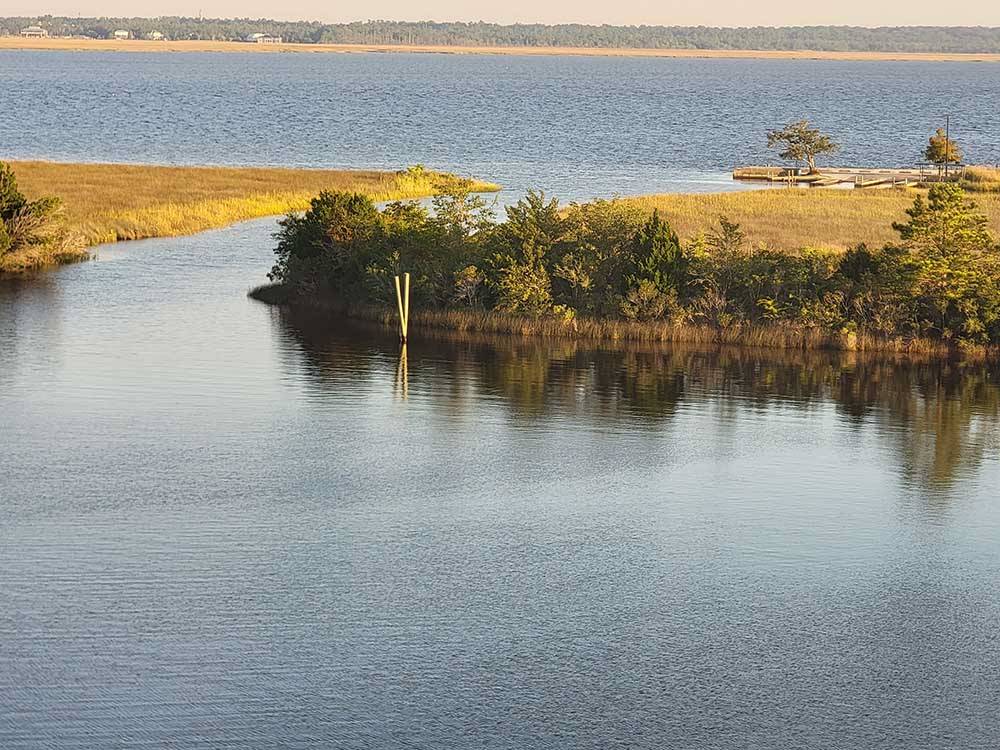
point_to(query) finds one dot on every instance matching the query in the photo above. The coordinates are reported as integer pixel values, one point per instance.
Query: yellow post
(406, 306)
(402, 315)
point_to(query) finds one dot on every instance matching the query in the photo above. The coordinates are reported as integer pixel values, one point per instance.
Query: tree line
(607, 259)
(825, 38)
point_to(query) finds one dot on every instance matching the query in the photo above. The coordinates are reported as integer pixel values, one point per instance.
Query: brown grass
(771, 336)
(792, 218)
(981, 179)
(141, 45)
(111, 202)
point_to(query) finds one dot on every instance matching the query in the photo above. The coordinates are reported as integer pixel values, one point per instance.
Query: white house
(260, 38)
(121, 34)
(34, 32)
(155, 36)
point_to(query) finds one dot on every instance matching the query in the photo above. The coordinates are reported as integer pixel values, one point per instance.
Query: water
(227, 526)
(223, 525)
(578, 127)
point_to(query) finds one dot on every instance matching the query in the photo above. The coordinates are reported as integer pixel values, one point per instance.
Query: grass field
(139, 45)
(792, 218)
(112, 202)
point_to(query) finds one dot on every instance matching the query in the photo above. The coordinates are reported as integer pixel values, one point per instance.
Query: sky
(665, 12)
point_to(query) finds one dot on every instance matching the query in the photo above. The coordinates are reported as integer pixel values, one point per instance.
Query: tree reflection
(941, 419)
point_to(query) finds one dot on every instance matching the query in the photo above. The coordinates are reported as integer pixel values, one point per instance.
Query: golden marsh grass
(112, 202)
(787, 336)
(793, 218)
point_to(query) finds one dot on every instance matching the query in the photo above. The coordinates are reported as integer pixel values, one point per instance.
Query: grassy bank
(113, 202)
(140, 45)
(792, 218)
(786, 336)
(621, 270)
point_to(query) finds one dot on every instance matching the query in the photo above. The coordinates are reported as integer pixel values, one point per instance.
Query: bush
(25, 223)
(606, 259)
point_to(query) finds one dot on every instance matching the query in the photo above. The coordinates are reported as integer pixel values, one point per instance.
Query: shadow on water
(938, 418)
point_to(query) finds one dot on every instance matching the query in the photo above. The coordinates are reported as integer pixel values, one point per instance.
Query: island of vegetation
(75, 206)
(612, 269)
(485, 36)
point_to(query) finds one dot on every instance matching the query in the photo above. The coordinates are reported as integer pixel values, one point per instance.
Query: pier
(857, 177)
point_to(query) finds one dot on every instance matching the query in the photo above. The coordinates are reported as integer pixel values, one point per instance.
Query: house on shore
(155, 36)
(34, 32)
(121, 34)
(261, 38)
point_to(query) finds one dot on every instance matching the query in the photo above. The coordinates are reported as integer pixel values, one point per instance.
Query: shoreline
(113, 202)
(181, 46)
(781, 337)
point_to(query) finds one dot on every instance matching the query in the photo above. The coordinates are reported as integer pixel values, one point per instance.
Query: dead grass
(793, 218)
(788, 336)
(981, 179)
(112, 202)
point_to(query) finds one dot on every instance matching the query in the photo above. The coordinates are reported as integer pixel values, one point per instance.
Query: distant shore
(137, 45)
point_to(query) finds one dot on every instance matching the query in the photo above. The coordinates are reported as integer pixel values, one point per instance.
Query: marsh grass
(793, 218)
(980, 179)
(787, 336)
(113, 202)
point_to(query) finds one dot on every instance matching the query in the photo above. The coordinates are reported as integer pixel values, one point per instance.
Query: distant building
(34, 32)
(155, 36)
(260, 38)
(122, 34)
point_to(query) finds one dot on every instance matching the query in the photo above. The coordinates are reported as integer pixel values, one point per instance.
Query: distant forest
(827, 38)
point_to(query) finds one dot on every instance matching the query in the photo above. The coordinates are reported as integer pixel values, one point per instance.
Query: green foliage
(657, 257)
(605, 259)
(802, 143)
(947, 222)
(25, 223)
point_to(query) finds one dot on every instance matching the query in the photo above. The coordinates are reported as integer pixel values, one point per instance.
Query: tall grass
(793, 218)
(981, 179)
(787, 336)
(112, 202)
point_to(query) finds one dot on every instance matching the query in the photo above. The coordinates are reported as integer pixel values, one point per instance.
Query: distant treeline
(827, 38)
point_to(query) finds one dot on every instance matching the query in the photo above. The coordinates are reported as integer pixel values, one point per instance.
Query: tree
(802, 142)
(942, 150)
(24, 222)
(657, 256)
(946, 223)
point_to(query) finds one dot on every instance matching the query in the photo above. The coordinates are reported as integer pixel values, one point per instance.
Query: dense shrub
(608, 259)
(24, 223)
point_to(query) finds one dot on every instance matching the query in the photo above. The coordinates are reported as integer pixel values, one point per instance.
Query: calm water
(224, 526)
(578, 127)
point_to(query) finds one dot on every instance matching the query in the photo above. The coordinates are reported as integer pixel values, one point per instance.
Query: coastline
(777, 336)
(139, 45)
(106, 202)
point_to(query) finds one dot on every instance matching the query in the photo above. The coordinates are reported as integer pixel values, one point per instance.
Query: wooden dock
(856, 177)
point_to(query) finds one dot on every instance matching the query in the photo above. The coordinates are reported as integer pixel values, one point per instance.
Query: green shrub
(606, 259)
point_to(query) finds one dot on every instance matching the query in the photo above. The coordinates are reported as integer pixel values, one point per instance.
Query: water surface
(578, 127)
(223, 525)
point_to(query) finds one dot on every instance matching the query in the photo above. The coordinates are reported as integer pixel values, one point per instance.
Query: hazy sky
(669, 12)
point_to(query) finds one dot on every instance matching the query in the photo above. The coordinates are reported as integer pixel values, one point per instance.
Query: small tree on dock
(802, 142)
(942, 150)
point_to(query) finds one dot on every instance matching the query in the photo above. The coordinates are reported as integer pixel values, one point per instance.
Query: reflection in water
(24, 326)
(939, 418)
(402, 389)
